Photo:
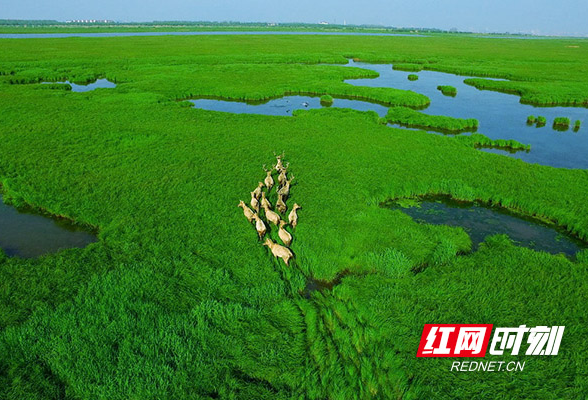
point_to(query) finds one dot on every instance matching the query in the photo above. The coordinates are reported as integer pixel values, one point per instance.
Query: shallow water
(314, 285)
(480, 221)
(27, 234)
(99, 83)
(284, 105)
(501, 115)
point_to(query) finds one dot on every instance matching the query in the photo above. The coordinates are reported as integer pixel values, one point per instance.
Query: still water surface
(27, 234)
(100, 83)
(480, 221)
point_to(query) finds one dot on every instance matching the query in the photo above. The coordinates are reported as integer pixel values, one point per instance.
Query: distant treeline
(282, 26)
(293, 25)
(290, 25)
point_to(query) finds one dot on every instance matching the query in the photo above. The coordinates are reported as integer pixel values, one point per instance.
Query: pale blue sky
(531, 16)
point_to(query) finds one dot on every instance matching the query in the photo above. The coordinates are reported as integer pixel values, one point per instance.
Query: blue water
(284, 105)
(100, 83)
(501, 115)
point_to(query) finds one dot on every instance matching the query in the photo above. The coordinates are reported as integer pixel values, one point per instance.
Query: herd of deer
(259, 201)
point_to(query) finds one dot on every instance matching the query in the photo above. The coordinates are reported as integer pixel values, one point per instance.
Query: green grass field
(178, 298)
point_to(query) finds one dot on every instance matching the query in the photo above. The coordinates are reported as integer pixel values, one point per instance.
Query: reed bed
(411, 118)
(179, 300)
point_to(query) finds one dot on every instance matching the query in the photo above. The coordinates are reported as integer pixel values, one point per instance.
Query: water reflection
(480, 221)
(27, 234)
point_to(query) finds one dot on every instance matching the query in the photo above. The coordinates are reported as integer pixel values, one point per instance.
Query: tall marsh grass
(178, 300)
(447, 90)
(407, 117)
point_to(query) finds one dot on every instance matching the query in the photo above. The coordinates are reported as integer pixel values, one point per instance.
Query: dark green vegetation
(407, 117)
(52, 26)
(483, 142)
(178, 300)
(531, 119)
(541, 120)
(326, 99)
(561, 123)
(577, 125)
(413, 77)
(447, 90)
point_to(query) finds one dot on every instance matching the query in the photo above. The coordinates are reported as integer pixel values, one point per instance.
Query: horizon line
(265, 24)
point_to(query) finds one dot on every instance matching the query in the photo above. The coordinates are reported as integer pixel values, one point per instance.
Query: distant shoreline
(30, 35)
(197, 28)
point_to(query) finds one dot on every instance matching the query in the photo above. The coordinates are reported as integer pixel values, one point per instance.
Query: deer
(279, 251)
(282, 178)
(257, 190)
(246, 210)
(281, 204)
(254, 203)
(271, 216)
(259, 226)
(265, 202)
(285, 189)
(284, 234)
(269, 181)
(293, 216)
(279, 165)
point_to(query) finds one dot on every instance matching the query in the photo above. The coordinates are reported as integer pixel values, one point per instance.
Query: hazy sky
(536, 16)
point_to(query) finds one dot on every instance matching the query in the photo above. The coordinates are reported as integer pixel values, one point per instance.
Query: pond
(501, 116)
(99, 83)
(27, 234)
(480, 220)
